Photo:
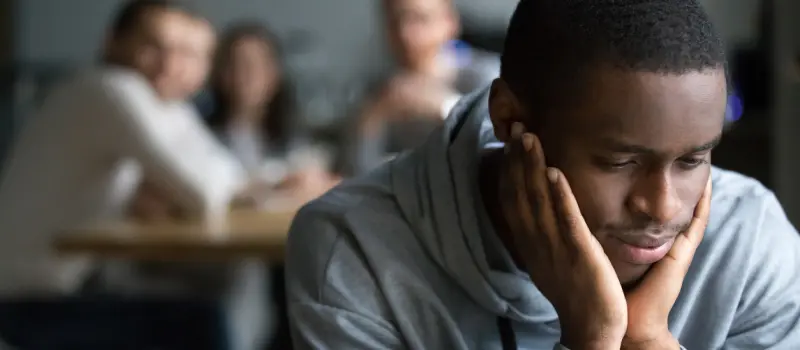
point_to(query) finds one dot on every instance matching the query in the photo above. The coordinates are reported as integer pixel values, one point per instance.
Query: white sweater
(79, 160)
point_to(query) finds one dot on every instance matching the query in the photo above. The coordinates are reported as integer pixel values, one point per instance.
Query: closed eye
(692, 163)
(620, 165)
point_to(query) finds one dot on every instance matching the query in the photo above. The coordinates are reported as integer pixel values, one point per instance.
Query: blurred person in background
(434, 70)
(82, 157)
(256, 113)
(195, 48)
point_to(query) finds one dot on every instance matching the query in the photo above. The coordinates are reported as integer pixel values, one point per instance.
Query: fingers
(686, 242)
(538, 188)
(573, 226)
(517, 210)
(666, 277)
(697, 228)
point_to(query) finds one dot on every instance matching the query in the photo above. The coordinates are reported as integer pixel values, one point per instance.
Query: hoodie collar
(437, 189)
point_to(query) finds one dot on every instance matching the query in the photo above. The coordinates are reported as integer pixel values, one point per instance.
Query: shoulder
(329, 250)
(117, 85)
(738, 196)
(330, 226)
(746, 218)
(96, 92)
(120, 78)
(320, 225)
(752, 250)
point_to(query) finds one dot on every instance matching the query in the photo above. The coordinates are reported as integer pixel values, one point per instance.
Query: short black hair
(552, 44)
(130, 14)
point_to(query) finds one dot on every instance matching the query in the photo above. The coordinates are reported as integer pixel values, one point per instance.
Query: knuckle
(539, 197)
(572, 221)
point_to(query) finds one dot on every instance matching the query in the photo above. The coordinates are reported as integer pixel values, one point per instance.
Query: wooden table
(242, 234)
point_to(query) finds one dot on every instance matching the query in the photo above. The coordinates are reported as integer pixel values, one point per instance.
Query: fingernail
(552, 175)
(517, 129)
(527, 141)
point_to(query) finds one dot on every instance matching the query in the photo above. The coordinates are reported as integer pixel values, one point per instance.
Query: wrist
(591, 343)
(595, 345)
(664, 342)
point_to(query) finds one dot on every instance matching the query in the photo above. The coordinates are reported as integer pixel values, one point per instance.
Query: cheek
(148, 62)
(600, 197)
(689, 187)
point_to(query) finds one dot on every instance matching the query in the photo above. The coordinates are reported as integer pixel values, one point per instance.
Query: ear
(504, 109)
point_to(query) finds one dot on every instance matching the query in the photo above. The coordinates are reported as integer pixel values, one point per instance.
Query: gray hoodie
(405, 257)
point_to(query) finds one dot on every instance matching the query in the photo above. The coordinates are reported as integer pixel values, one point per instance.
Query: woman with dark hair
(255, 114)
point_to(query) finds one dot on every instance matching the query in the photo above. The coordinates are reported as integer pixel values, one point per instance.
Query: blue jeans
(108, 322)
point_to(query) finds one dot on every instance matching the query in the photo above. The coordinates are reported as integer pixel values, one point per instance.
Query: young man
(76, 161)
(461, 244)
(433, 71)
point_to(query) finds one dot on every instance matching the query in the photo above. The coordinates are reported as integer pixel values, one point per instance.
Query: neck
(489, 183)
(247, 115)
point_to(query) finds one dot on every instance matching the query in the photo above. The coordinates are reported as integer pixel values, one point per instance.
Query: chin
(629, 275)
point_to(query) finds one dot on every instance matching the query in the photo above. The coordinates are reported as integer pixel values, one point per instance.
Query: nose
(655, 197)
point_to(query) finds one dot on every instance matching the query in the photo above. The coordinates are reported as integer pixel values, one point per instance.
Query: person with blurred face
(569, 205)
(97, 138)
(418, 29)
(256, 115)
(433, 71)
(193, 51)
(100, 140)
(154, 47)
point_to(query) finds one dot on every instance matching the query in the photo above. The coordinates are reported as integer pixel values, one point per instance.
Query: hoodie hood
(436, 187)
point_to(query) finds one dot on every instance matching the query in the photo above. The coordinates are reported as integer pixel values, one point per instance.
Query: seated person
(433, 71)
(196, 47)
(255, 112)
(75, 162)
(569, 205)
(235, 293)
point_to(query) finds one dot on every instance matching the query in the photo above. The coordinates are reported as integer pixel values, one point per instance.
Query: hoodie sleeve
(334, 302)
(769, 309)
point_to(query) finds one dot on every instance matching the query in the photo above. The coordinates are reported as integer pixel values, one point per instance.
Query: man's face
(157, 50)
(636, 152)
(419, 28)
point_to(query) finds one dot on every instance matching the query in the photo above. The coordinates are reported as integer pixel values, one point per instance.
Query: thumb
(665, 278)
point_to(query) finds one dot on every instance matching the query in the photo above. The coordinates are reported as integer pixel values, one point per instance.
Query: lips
(640, 251)
(646, 242)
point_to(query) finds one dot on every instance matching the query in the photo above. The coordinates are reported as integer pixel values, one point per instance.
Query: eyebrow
(620, 147)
